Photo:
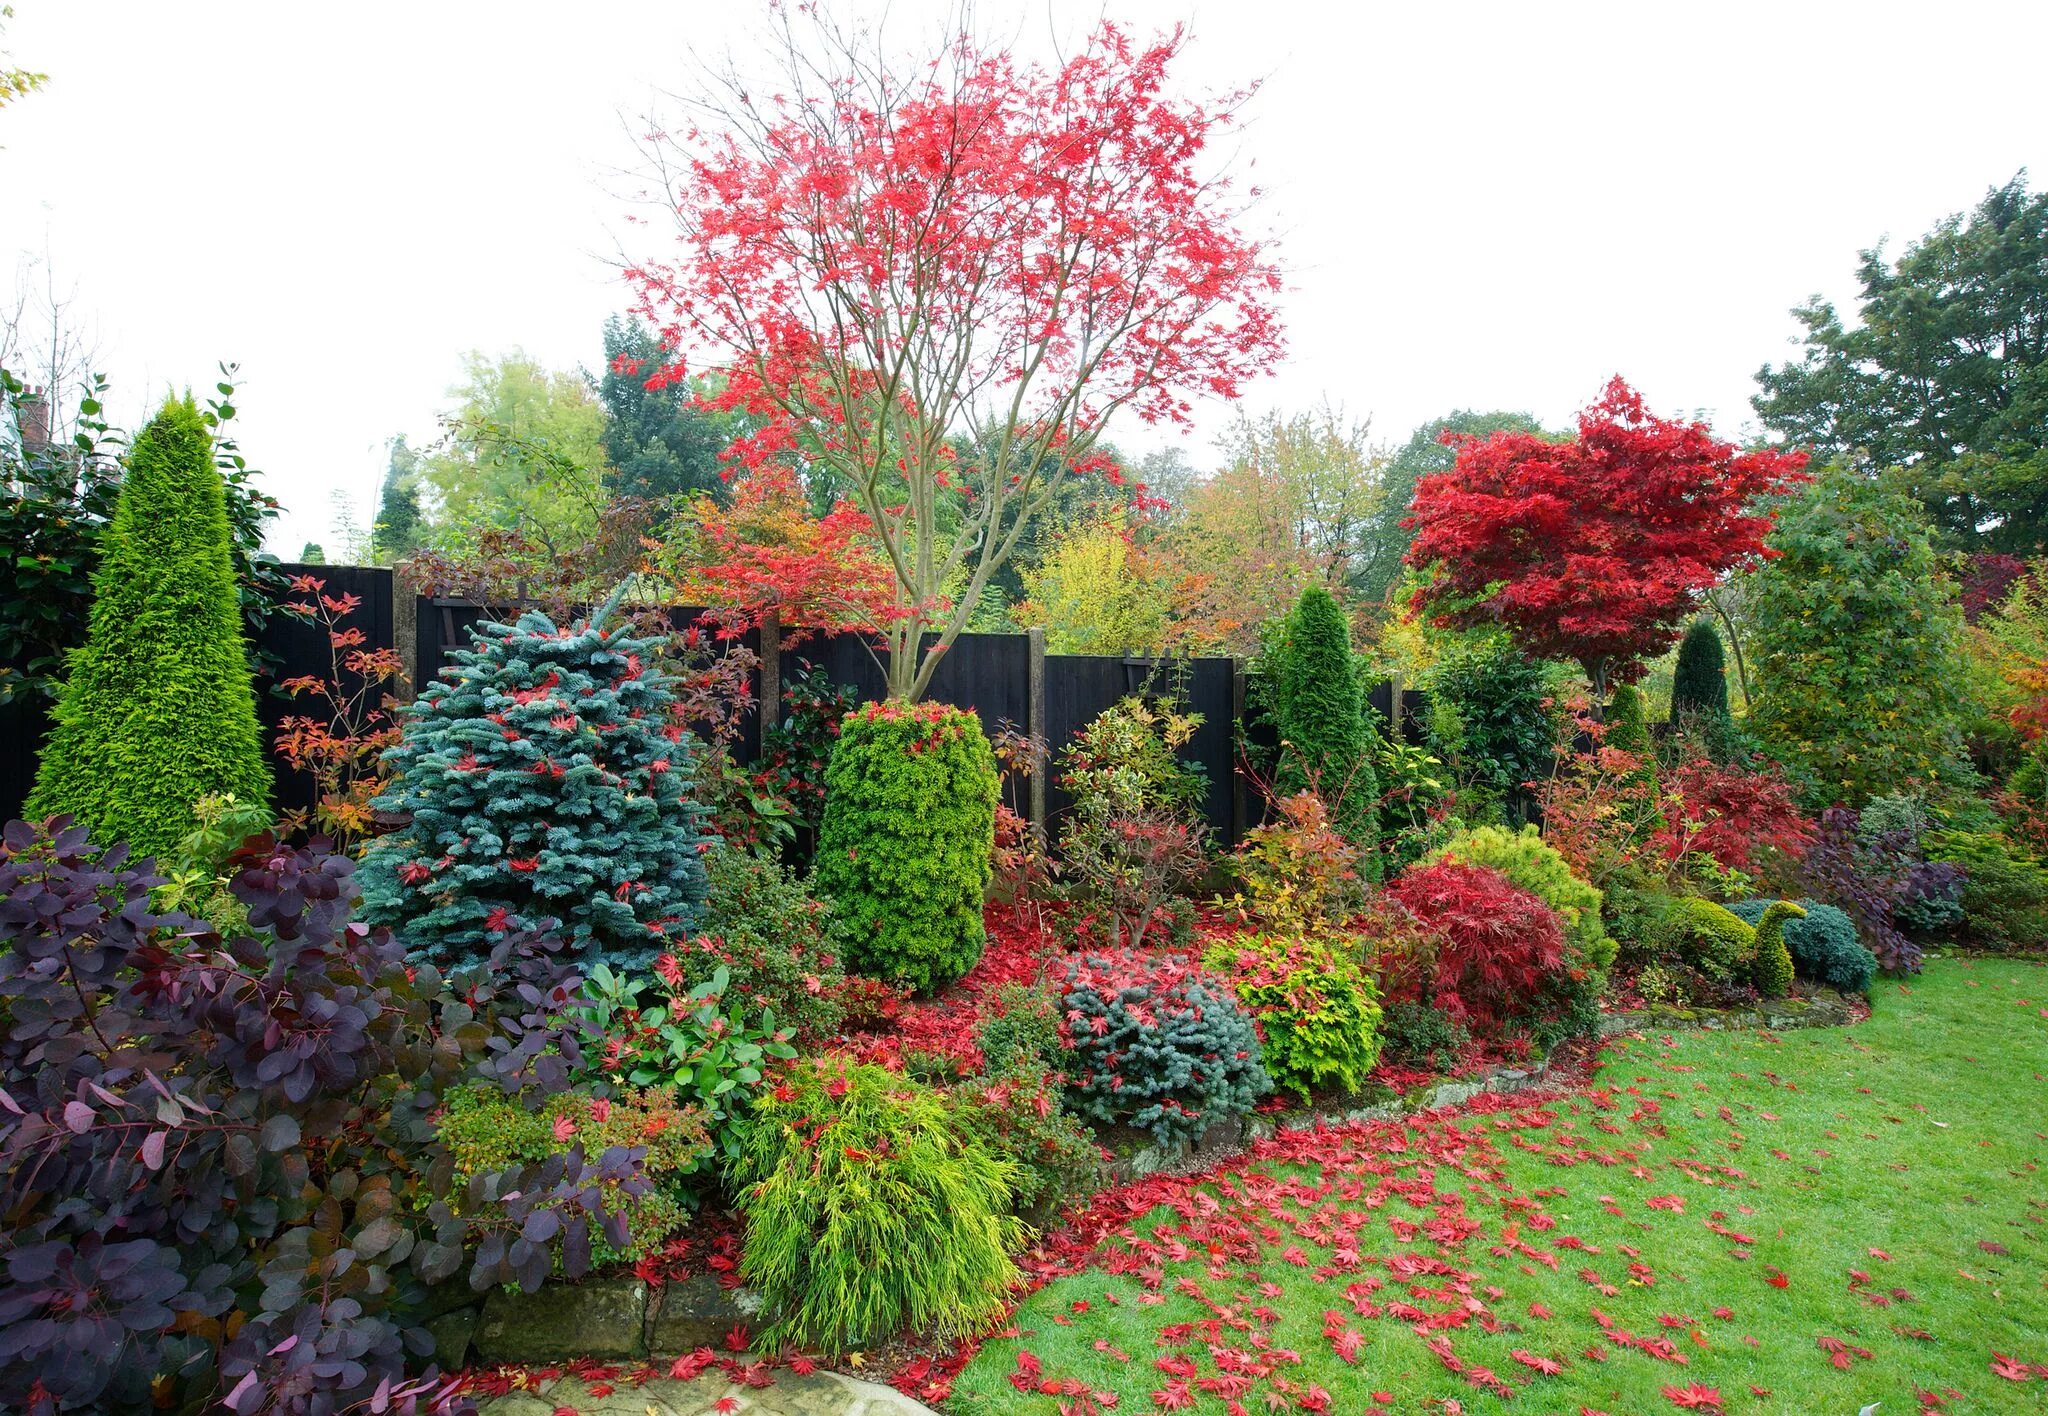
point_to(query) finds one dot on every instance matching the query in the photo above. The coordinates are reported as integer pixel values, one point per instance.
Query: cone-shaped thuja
(158, 709)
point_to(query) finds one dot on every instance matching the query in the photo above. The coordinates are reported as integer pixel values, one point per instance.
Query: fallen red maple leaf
(2011, 1369)
(1694, 1397)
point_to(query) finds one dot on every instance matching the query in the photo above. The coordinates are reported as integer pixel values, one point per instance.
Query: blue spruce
(545, 780)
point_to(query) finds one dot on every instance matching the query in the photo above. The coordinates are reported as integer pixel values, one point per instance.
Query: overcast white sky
(1479, 205)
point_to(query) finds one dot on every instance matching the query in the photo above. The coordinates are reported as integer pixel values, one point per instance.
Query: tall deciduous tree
(1595, 549)
(399, 522)
(663, 441)
(1096, 591)
(882, 258)
(1944, 374)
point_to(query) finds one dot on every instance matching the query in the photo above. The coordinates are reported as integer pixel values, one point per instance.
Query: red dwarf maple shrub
(1499, 948)
(1597, 548)
(879, 254)
(341, 745)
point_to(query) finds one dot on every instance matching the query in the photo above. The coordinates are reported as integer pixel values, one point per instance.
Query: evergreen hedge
(903, 850)
(545, 780)
(158, 709)
(1321, 708)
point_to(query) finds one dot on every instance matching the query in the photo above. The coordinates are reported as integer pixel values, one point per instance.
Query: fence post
(405, 627)
(1034, 689)
(770, 712)
(1238, 806)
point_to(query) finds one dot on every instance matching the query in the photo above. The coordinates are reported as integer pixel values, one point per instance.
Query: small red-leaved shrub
(1497, 946)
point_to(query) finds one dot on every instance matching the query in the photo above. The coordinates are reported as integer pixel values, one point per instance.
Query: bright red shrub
(1497, 947)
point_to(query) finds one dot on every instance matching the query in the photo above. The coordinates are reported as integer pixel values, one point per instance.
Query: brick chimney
(32, 414)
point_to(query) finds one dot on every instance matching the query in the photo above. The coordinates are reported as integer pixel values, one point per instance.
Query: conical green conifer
(1700, 684)
(158, 709)
(1321, 708)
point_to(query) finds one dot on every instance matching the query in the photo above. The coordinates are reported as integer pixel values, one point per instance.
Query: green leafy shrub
(1326, 741)
(1699, 685)
(1531, 864)
(1490, 723)
(544, 780)
(1822, 942)
(1318, 1012)
(196, 874)
(158, 709)
(1418, 1035)
(486, 1131)
(1015, 1112)
(869, 1213)
(1708, 937)
(903, 851)
(2005, 898)
(1019, 1026)
(1154, 1043)
(772, 937)
(1771, 963)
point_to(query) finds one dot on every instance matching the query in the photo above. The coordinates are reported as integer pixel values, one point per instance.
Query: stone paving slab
(819, 1394)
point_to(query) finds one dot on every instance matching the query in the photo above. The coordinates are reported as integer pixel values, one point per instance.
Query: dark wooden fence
(1004, 678)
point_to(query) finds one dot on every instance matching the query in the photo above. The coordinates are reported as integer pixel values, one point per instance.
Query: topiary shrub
(1531, 864)
(1499, 951)
(903, 851)
(1699, 685)
(545, 780)
(486, 1131)
(1822, 942)
(868, 1212)
(1708, 937)
(1156, 1044)
(1318, 1014)
(1771, 961)
(2005, 897)
(1327, 743)
(772, 937)
(158, 710)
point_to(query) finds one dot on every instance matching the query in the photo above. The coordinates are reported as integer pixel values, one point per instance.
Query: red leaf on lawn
(1545, 1365)
(1992, 1246)
(1694, 1397)
(1174, 1396)
(2010, 1369)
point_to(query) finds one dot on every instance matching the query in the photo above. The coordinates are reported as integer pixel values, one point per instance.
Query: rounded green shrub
(772, 937)
(903, 851)
(1533, 865)
(1700, 682)
(544, 780)
(158, 709)
(1327, 744)
(2005, 897)
(868, 1213)
(1822, 942)
(1771, 964)
(1318, 1012)
(1709, 937)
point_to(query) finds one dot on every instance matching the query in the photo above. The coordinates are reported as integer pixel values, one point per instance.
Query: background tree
(1944, 375)
(1856, 643)
(660, 442)
(15, 83)
(1595, 549)
(524, 452)
(158, 708)
(1700, 682)
(886, 255)
(1326, 740)
(399, 523)
(1096, 592)
(1377, 563)
(312, 553)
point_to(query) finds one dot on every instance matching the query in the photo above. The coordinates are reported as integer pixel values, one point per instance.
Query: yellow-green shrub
(1709, 937)
(1319, 1012)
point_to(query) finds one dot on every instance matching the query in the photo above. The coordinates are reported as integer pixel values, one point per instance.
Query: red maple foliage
(878, 257)
(1497, 945)
(1597, 548)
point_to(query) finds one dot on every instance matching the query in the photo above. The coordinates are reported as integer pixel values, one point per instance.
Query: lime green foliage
(1771, 966)
(1319, 1013)
(2005, 899)
(158, 709)
(1710, 937)
(1823, 944)
(868, 1213)
(903, 852)
(1532, 865)
(1327, 744)
(1857, 645)
(1700, 682)
(1820, 1189)
(486, 1131)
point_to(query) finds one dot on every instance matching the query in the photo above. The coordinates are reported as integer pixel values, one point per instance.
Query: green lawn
(1767, 1208)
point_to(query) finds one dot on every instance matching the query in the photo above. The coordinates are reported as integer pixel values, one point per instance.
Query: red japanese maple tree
(1598, 548)
(934, 284)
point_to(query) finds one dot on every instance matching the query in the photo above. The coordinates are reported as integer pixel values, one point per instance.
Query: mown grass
(1920, 1134)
